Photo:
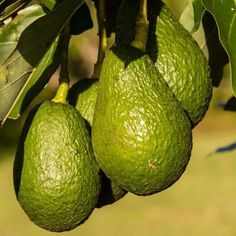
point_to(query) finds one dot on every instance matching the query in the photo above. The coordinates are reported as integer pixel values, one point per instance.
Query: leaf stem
(63, 88)
(141, 28)
(101, 17)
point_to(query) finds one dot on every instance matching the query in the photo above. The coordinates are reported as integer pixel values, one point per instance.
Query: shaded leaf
(38, 37)
(10, 33)
(230, 105)
(37, 80)
(32, 46)
(11, 7)
(81, 20)
(224, 12)
(218, 57)
(50, 4)
(13, 76)
(198, 10)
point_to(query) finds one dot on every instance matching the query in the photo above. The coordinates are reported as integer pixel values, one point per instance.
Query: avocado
(174, 52)
(86, 98)
(141, 136)
(85, 91)
(56, 177)
(110, 192)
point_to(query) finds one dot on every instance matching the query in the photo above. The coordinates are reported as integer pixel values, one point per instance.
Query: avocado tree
(34, 42)
(31, 35)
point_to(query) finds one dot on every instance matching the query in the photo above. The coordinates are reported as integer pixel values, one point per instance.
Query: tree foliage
(31, 35)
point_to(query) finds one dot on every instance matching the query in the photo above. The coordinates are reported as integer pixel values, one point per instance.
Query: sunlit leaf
(37, 80)
(50, 4)
(198, 10)
(187, 20)
(8, 8)
(31, 48)
(38, 37)
(10, 33)
(224, 12)
(218, 57)
(177, 7)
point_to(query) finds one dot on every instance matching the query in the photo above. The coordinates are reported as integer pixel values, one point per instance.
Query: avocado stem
(101, 17)
(62, 92)
(63, 88)
(141, 28)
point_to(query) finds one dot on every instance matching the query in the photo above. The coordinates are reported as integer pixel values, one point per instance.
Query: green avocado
(56, 177)
(86, 95)
(141, 136)
(87, 90)
(175, 53)
(110, 192)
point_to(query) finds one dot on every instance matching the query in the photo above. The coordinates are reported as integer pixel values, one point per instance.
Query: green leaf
(198, 10)
(38, 37)
(187, 20)
(217, 56)
(224, 12)
(50, 4)
(9, 9)
(37, 80)
(177, 7)
(10, 33)
(80, 21)
(33, 44)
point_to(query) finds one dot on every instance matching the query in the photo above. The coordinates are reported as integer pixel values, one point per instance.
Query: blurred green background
(202, 202)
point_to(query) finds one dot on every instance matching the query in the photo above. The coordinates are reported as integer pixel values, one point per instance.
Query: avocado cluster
(128, 131)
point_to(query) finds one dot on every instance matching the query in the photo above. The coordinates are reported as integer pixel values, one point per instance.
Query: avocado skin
(56, 178)
(174, 52)
(86, 95)
(85, 91)
(141, 136)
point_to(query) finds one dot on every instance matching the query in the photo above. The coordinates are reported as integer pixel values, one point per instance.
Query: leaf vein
(10, 84)
(231, 27)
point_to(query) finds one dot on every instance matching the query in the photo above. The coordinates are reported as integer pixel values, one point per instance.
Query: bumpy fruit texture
(86, 91)
(141, 135)
(56, 177)
(86, 98)
(175, 53)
